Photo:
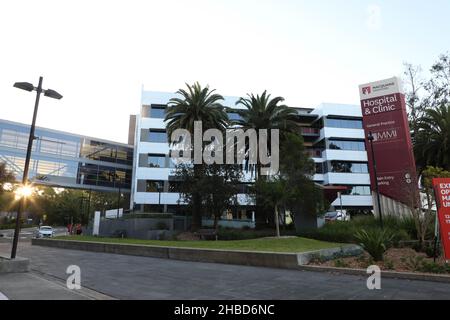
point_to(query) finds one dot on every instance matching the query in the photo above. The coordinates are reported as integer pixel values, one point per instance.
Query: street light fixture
(48, 93)
(374, 165)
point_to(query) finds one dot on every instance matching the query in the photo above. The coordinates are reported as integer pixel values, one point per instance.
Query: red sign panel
(442, 192)
(384, 115)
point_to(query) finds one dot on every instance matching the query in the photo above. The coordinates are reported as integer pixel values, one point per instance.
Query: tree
(432, 143)
(262, 112)
(218, 185)
(6, 176)
(438, 86)
(305, 199)
(6, 198)
(415, 86)
(196, 104)
(273, 193)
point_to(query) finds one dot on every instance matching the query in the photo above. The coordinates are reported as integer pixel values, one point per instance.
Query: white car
(45, 232)
(336, 216)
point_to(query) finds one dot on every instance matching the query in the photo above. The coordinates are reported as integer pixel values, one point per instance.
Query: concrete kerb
(250, 258)
(384, 273)
(16, 265)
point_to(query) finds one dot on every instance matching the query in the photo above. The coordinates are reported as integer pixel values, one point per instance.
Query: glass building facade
(66, 160)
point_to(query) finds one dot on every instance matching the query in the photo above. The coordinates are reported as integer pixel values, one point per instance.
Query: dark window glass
(348, 167)
(157, 136)
(158, 111)
(358, 191)
(319, 167)
(234, 116)
(347, 145)
(155, 186)
(156, 160)
(344, 123)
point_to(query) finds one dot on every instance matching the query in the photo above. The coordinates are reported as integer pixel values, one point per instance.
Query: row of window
(341, 167)
(174, 186)
(347, 145)
(344, 123)
(158, 111)
(66, 146)
(358, 191)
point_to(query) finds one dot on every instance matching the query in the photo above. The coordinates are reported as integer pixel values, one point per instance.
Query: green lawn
(296, 244)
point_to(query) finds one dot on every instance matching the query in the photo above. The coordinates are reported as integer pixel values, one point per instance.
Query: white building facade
(333, 134)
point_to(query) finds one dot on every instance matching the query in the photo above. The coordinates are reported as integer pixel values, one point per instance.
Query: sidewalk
(32, 286)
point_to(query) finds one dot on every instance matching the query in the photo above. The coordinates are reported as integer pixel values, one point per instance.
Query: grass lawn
(296, 244)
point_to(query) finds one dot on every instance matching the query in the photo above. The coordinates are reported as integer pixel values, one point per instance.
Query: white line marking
(3, 297)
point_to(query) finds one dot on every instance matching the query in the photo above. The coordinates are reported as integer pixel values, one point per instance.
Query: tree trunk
(197, 203)
(277, 221)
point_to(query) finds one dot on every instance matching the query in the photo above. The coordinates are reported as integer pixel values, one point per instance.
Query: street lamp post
(374, 165)
(48, 93)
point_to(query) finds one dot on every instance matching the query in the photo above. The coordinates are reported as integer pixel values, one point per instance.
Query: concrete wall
(143, 228)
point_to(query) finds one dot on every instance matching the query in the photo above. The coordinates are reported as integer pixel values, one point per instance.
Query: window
(234, 116)
(344, 123)
(349, 167)
(347, 145)
(319, 167)
(358, 191)
(154, 186)
(157, 136)
(157, 111)
(156, 160)
(150, 186)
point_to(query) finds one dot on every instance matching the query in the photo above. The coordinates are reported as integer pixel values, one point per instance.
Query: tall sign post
(385, 119)
(442, 194)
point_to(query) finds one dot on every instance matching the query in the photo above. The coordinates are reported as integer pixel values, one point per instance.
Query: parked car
(335, 216)
(45, 232)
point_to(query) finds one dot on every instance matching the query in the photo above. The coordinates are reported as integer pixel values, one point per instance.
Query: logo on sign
(366, 90)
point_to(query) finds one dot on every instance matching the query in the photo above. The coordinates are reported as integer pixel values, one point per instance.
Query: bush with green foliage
(242, 234)
(375, 241)
(344, 231)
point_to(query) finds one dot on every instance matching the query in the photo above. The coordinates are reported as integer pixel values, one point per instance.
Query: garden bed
(395, 259)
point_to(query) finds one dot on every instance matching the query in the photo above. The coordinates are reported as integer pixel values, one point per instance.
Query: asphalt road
(28, 233)
(129, 277)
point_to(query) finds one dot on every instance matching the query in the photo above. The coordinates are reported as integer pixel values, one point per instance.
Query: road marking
(3, 297)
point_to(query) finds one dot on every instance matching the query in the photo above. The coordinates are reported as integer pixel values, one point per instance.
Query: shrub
(241, 234)
(375, 242)
(344, 232)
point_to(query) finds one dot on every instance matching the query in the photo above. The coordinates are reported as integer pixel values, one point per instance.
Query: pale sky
(98, 54)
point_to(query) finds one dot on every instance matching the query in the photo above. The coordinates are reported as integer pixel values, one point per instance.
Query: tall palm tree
(262, 112)
(432, 143)
(196, 104)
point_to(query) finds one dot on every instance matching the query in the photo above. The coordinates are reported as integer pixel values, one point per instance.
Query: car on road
(45, 232)
(335, 216)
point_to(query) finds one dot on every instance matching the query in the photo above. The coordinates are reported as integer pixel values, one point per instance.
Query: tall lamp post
(374, 165)
(48, 93)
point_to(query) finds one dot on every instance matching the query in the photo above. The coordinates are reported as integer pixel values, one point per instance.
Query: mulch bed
(396, 259)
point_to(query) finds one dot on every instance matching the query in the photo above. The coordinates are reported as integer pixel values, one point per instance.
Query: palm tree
(196, 104)
(262, 112)
(432, 143)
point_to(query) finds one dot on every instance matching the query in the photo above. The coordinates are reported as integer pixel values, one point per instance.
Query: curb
(248, 258)
(384, 273)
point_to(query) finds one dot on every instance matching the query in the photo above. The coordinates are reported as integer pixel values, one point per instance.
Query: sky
(100, 54)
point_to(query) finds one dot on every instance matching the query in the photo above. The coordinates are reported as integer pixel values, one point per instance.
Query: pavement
(112, 276)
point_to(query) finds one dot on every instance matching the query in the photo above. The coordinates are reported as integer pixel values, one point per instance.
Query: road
(28, 233)
(130, 277)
